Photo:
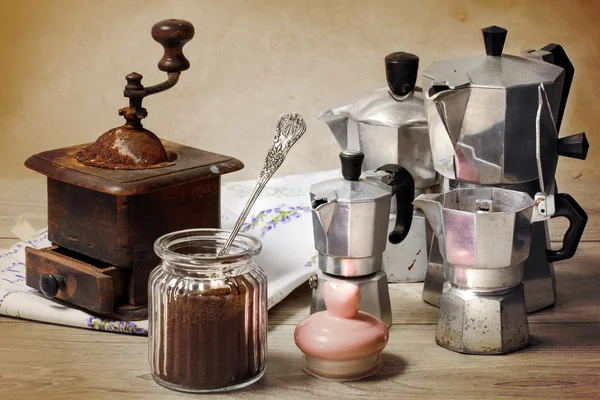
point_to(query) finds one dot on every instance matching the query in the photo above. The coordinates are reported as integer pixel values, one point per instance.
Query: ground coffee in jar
(208, 314)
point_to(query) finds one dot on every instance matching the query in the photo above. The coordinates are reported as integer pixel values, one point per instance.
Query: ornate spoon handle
(290, 128)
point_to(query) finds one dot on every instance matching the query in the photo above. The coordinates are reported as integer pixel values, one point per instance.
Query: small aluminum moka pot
(484, 236)
(350, 223)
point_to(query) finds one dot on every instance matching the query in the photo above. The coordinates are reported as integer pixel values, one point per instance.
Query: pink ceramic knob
(342, 343)
(341, 299)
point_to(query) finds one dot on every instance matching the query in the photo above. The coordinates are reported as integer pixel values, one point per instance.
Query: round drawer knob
(50, 284)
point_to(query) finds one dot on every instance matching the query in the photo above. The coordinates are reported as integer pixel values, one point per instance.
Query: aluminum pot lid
(351, 188)
(380, 108)
(398, 104)
(493, 69)
(344, 191)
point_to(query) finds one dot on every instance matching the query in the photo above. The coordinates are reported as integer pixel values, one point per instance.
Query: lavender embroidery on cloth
(110, 325)
(13, 272)
(312, 261)
(282, 215)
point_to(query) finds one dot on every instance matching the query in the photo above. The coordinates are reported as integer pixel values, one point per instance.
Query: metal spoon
(290, 128)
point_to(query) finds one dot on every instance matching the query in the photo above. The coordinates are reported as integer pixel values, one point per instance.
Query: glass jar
(207, 325)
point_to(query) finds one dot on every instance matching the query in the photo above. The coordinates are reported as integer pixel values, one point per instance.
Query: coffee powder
(212, 338)
(116, 148)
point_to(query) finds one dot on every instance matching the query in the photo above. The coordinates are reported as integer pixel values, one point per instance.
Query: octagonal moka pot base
(103, 224)
(482, 323)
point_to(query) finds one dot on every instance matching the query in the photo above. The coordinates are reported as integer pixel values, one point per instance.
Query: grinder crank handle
(173, 34)
(566, 206)
(403, 186)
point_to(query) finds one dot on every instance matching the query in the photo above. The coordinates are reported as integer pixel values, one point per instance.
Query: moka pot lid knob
(401, 72)
(494, 38)
(351, 164)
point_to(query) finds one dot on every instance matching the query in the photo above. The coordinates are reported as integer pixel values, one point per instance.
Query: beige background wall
(63, 65)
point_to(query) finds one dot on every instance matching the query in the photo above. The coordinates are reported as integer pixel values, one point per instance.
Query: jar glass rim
(244, 247)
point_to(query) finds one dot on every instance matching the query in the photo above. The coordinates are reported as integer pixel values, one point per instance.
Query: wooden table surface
(563, 361)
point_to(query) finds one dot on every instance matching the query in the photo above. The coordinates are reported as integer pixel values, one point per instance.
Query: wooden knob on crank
(173, 34)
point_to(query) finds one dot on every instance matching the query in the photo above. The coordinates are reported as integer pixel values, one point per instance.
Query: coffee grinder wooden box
(110, 200)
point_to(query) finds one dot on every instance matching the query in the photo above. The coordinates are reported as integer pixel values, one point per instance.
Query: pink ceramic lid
(342, 332)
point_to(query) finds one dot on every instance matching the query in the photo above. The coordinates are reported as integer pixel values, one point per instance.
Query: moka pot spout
(338, 124)
(432, 208)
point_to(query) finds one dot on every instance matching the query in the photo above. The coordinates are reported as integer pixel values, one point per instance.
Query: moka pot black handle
(566, 206)
(574, 146)
(560, 59)
(403, 187)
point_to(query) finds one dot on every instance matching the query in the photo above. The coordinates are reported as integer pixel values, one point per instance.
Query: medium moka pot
(389, 125)
(350, 219)
(492, 118)
(484, 236)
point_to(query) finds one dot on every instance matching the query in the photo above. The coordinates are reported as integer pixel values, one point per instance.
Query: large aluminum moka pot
(484, 235)
(494, 121)
(482, 113)
(389, 126)
(350, 220)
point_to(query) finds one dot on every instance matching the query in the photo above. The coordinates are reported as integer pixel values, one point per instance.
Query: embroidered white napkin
(280, 218)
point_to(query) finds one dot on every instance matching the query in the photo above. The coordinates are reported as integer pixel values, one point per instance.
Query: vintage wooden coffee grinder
(110, 200)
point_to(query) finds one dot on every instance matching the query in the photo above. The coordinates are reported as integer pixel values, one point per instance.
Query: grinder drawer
(85, 283)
